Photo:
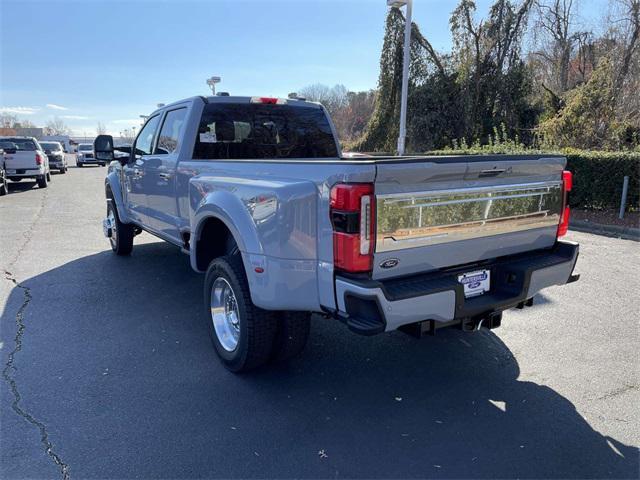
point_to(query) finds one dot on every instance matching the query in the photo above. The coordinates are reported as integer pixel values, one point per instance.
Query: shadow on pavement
(22, 186)
(117, 363)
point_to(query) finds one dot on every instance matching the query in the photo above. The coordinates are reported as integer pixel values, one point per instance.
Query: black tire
(42, 181)
(63, 170)
(257, 327)
(48, 176)
(292, 335)
(4, 188)
(79, 165)
(122, 237)
(102, 164)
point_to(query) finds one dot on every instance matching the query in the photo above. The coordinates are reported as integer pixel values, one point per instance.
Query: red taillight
(352, 213)
(567, 185)
(39, 159)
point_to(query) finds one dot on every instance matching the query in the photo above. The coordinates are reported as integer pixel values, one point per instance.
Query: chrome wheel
(114, 228)
(224, 314)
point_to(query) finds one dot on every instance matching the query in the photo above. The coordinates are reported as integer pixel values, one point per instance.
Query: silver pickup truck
(256, 191)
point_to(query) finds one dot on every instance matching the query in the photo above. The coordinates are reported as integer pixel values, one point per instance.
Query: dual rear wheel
(243, 335)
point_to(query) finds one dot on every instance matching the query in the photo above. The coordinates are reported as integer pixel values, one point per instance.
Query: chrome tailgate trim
(408, 220)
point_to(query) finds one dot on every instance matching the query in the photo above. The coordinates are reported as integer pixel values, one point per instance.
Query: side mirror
(103, 147)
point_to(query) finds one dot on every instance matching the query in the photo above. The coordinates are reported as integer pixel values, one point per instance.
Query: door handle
(137, 172)
(165, 176)
(492, 173)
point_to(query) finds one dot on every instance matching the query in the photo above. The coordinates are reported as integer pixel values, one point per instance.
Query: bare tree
(9, 120)
(128, 135)
(56, 127)
(628, 33)
(622, 45)
(557, 39)
(333, 98)
(101, 129)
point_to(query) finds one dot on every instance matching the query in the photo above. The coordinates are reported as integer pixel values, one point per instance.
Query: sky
(90, 61)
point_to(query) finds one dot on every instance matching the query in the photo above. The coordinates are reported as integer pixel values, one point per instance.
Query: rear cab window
(53, 146)
(254, 131)
(23, 144)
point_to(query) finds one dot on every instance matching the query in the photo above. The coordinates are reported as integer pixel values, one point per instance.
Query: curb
(628, 233)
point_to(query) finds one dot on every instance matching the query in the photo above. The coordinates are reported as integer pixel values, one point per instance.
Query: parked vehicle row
(28, 158)
(257, 193)
(24, 158)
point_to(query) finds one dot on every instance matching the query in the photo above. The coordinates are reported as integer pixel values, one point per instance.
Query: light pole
(405, 70)
(212, 83)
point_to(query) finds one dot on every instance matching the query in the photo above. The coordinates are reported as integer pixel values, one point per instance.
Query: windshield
(25, 144)
(246, 131)
(85, 147)
(55, 146)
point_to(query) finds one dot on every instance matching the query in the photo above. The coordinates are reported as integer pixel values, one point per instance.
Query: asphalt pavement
(108, 371)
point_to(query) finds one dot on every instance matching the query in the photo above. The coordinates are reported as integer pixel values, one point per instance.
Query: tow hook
(107, 228)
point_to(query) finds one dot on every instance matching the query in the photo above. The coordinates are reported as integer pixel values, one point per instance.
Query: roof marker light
(268, 100)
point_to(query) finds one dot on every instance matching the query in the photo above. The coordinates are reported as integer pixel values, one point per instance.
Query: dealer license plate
(475, 283)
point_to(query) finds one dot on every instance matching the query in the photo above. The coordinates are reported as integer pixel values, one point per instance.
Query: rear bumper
(25, 172)
(371, 307)
(57, 163)
(89, 161)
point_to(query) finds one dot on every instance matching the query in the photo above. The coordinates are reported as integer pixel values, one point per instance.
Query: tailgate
(434, 213)
(21, 160)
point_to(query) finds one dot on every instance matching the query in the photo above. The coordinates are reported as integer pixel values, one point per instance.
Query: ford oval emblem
(390, 263)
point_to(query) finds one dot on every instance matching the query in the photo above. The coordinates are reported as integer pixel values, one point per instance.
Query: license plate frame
(475, 283)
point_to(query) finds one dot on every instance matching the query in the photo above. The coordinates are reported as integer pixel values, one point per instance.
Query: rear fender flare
(227, 208)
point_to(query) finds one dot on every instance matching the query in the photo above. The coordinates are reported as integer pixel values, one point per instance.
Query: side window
(170, 132)
(145, 137)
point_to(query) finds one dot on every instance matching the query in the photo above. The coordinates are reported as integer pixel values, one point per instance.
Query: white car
(55, 152)
(25, 158)
(85, 156)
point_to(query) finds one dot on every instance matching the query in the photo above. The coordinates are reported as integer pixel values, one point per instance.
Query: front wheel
(122, 234)
(48, 176)
(4, 188)
(242, 333)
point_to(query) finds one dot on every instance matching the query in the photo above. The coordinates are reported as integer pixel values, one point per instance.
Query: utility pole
(405, 71)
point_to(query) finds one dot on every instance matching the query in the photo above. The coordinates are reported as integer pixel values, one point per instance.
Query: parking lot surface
(108, 371)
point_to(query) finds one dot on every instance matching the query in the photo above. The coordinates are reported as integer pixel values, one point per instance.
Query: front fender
(112, 182)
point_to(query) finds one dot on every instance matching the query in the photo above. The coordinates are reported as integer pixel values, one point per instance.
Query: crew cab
(86, 156)
(25, 158)
(255, 190)
(55, 152)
